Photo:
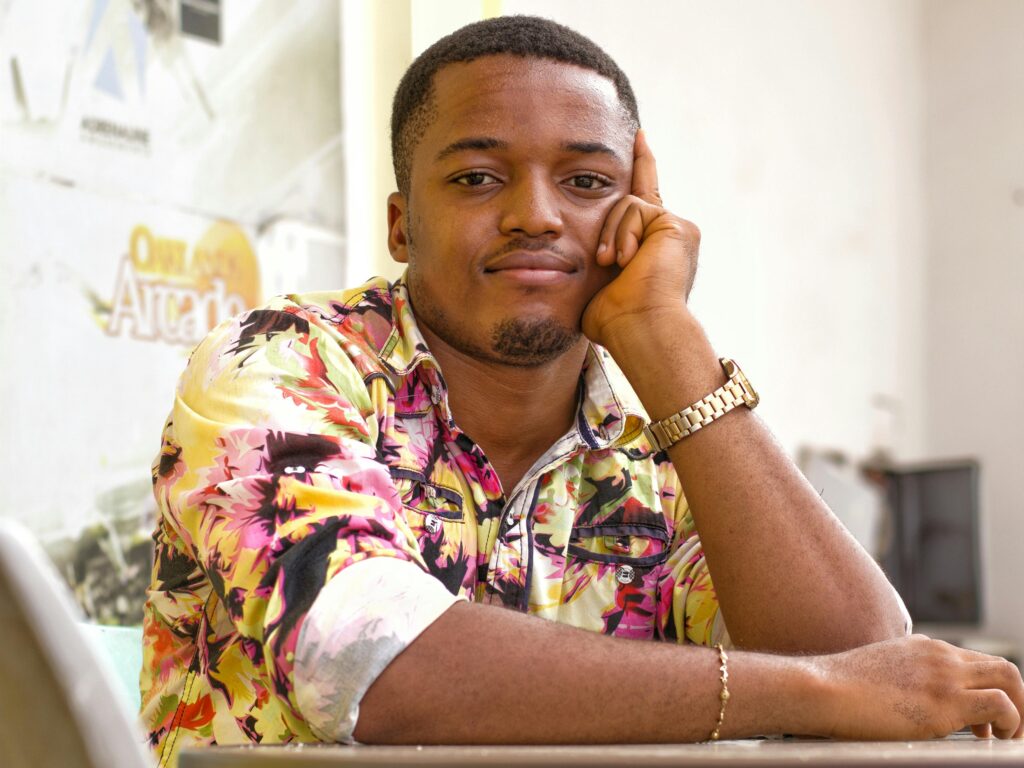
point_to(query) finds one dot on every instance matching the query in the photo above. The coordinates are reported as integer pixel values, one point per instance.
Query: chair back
(58, 704)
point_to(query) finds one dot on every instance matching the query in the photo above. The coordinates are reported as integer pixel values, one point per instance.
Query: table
(957, 750)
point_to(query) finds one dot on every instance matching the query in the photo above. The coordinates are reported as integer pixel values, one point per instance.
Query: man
(356, 487)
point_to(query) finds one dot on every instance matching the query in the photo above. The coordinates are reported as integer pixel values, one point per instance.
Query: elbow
(889, 620)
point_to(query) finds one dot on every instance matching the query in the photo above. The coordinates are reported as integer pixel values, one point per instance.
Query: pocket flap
(637, 545)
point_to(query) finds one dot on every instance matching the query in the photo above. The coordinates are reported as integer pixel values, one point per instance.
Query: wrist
(667, 358)
(810, 699)
(775, 695)
(633, 334)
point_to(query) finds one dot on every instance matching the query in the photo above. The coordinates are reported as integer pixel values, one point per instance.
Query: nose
(532, 207)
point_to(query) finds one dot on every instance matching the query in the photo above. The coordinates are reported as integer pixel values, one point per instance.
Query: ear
(398, 240)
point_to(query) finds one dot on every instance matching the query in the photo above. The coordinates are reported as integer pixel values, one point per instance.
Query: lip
(531, 268)
(531, 261)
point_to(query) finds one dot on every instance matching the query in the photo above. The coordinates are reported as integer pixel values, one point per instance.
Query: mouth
(532, 267)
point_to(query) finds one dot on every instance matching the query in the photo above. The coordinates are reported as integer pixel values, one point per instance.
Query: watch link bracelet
(735, 392)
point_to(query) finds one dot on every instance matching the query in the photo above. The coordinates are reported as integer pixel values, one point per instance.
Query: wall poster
(164, 165)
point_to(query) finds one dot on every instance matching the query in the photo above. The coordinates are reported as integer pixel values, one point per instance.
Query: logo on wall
(165, 292)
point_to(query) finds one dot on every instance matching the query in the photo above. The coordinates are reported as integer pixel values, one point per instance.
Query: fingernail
(618, 255)
(602, 248)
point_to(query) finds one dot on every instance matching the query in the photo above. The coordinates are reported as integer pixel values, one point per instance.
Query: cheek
(439, 242)
(592, 222)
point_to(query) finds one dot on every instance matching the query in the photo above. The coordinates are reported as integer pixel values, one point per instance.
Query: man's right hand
(577, 687)
(918, 688)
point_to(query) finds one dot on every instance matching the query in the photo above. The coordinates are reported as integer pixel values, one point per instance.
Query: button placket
(519, 498)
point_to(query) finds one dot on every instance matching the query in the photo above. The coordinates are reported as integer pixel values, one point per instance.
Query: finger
(634, 228)
(982, 731)
(645, 171)
(997, 673)
(606, 250)
(992, 707)
(627, 237)
(966, 654)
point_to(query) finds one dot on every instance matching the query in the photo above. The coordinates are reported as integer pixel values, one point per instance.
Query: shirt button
(625, 574)
(432, 523)
(510, 520)
(435, 395)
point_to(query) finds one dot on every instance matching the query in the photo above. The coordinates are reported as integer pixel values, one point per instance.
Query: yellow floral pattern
(314, 433)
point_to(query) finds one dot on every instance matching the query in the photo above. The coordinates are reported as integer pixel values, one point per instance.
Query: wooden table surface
(958, 750)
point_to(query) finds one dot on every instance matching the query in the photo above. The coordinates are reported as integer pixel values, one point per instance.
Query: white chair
(58, 703)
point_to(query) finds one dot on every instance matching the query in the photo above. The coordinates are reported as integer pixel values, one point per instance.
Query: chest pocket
(435, 514)
(612, 572)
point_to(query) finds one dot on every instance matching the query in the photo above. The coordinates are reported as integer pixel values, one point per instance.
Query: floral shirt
(312, 438)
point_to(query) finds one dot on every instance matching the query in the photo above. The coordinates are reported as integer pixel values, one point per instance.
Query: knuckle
(1011, 672)
(686, 230)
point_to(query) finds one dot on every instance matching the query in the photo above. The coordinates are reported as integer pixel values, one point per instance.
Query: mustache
(526, 244)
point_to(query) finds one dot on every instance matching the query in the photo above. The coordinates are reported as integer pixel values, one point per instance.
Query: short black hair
(524, 36)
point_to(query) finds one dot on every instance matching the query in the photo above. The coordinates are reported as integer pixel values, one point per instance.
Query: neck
(514, 413)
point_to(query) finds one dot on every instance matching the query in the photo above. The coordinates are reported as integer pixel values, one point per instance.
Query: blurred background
(856, 168)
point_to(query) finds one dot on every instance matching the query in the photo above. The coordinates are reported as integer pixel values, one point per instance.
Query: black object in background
(201, 19)
(933, 554)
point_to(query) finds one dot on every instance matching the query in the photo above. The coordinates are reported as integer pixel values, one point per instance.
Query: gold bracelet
(724, 695)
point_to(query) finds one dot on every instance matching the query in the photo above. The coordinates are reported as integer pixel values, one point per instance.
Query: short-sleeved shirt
(314, 434)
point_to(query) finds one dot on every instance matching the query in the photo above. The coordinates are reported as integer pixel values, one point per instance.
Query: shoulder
(352, 323)
(360, 319)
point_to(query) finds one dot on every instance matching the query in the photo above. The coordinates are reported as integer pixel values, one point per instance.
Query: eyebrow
(475, 142)
(487, 142)
(589, 148)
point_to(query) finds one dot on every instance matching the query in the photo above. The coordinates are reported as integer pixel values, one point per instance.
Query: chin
(532, 341)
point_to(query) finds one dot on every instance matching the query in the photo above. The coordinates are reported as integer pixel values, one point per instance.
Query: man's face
(509, 187)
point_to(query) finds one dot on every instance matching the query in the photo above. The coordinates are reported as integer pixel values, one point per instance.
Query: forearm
(484, 675)
(789, 577)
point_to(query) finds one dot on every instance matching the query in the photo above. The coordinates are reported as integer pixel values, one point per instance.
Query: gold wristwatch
(735, 392)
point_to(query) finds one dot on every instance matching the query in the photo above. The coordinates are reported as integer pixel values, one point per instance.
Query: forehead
(524, 99)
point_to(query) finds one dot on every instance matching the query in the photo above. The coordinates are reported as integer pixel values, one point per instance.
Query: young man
(356, 487)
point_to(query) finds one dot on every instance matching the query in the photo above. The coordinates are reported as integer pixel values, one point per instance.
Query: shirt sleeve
(365, 616)
(270, 480)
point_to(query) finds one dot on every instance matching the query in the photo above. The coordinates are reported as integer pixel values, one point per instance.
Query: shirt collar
(609, 415)
(405, 347)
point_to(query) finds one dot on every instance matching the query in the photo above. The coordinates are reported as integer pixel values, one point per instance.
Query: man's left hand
(654, 252)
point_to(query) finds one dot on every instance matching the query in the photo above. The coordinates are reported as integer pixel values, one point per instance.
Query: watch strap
(735, 392)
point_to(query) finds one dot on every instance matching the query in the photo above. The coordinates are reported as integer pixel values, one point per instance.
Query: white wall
(376, 49)
(975, 309)
(790, 132)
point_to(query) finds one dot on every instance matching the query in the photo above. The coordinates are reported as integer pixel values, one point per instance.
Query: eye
(474, 179)
(589, 181)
